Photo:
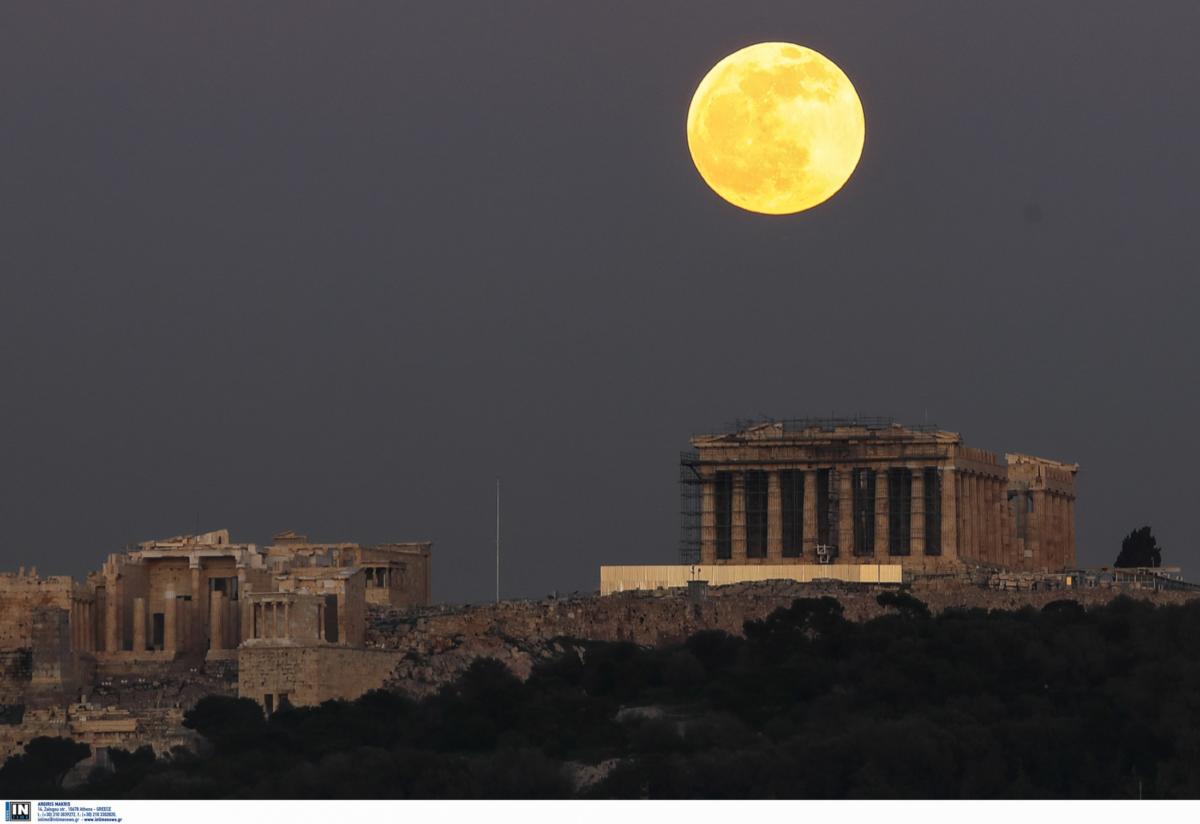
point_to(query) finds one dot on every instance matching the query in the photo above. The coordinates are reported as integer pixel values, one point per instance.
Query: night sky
(334, 267)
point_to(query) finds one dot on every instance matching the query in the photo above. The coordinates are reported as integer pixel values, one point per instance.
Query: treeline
(1058, 702)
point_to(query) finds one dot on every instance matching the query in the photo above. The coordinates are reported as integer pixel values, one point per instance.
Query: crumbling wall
(99, 727)
(20, 595)
(34, 723)
(127, 703)
(144, 684)
(16, 672)
(53, 676)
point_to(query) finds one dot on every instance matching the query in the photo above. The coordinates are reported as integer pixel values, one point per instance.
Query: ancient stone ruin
(120, 655)
(870, 491)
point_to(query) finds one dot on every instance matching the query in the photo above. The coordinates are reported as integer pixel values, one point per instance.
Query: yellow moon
(775, 128)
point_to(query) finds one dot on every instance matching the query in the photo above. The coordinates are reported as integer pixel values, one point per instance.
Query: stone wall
(312, 674)
(167, 575)
(413, 578)
(20, 595)
(46, 671)
(51, 645)
(16, 673)
(143, 684)
(409, 576)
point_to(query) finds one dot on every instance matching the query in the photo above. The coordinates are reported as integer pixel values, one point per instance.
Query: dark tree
(228, 723)
(1062, 702)
(40, 770)
(1140, 549)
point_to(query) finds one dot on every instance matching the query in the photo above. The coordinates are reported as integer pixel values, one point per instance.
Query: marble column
(1052, 561)
(965, 548)
(1005, 526)
(216, 630)
(1047, 542)
(1060, 533)
(984, 523)
(1065, 546)
(112, 617)
(981, 519)
(739, 519)
(1000, 522)
(774, 519)
(917, 512)
(1049, 539)
(810, 515)
(246, 616)
(960, 506)
(170, 616)
(993, 512)
(1069, 557)
(949, 512)
(198, 617)
(983, 487)
(1038, 524)
(708, 522)
(1004, 523)
(845, 526)
(989, 517)
(1008, 531)
(139, 624)
(881, 516)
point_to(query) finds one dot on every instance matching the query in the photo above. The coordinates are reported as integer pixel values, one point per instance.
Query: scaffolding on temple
(691, 490)
(826, 424)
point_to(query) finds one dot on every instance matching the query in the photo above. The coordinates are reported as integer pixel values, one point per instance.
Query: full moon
(775, 128)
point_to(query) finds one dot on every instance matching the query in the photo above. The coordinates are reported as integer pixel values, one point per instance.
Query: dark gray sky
(334, 267)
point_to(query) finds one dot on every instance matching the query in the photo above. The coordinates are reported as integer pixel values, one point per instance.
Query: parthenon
(870, 491)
